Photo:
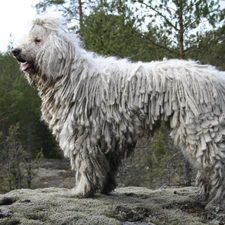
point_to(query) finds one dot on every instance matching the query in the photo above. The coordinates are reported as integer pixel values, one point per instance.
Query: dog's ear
(55, 53)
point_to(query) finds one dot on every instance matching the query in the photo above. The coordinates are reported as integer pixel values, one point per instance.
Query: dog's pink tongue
(24, 66)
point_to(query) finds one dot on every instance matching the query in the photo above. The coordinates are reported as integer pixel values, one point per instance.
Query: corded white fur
(97, 107)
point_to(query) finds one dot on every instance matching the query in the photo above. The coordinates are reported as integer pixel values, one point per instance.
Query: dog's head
(39, 50)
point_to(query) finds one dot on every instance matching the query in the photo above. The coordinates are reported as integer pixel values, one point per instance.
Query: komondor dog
(97, 107)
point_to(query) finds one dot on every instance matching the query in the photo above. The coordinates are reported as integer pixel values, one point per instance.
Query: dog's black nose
(16, 51)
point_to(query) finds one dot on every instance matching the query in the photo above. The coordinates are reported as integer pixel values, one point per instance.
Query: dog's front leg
(91, 169)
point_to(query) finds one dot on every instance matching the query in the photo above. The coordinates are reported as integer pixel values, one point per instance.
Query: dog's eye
(37, 40)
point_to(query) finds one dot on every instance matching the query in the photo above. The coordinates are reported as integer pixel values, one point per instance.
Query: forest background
(141, 30)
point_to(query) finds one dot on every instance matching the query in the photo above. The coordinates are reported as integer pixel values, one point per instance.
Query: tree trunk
(187, 166)
(181, 32)
(80, 12)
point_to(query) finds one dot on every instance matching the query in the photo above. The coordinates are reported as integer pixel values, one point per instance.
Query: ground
(54, 173)
(125, 206)
(51, 204)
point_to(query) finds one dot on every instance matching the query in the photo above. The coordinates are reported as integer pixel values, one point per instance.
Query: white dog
(97, 107)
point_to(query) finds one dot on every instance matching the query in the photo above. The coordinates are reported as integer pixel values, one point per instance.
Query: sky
(14, 17)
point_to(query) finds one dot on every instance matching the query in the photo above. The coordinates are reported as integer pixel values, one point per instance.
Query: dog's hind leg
(206, 150)
(212, 181)
(217, 191)
(202, 183)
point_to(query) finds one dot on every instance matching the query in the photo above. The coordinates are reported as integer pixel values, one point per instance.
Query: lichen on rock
(125, 206)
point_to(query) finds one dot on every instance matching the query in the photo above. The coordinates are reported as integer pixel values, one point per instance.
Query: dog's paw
(77, 192)
(213, 208)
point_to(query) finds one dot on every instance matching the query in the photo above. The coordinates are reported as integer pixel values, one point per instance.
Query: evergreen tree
(180, 22)
(19, 102)
(110, 34)
(210, 48)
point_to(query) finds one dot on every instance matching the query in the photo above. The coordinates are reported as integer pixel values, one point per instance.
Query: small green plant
(16, 164)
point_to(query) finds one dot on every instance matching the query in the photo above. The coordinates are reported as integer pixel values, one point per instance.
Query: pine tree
(181, 22)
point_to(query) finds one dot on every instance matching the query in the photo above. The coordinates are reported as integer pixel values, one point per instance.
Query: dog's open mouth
(27, 67)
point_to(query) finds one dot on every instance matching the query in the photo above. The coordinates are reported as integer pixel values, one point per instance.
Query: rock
(125, 206)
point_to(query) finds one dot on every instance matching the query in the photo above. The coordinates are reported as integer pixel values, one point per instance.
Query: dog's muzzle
(16, 52)
(24, 65)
